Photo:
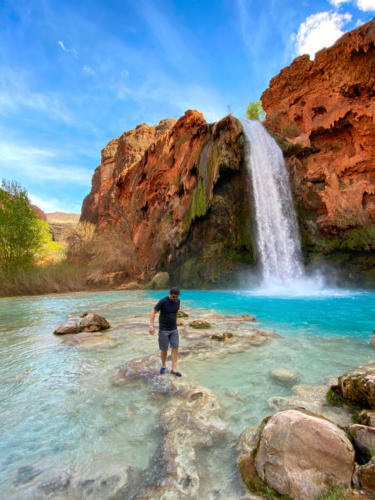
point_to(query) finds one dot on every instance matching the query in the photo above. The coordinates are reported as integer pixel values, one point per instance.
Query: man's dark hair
(174, 291)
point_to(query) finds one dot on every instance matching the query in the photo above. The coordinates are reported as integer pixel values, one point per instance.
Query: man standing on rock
(168, 333)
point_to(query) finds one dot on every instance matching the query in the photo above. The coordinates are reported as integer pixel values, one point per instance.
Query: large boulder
(358, 386)
(302, 455)
(88, 322)
(92, 322)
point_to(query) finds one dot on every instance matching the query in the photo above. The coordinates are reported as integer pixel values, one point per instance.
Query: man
(168, 333)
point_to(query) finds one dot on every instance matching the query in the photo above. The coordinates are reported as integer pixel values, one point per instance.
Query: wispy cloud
(87, 70)
(49, 205)
(15, 94)
(39, 165)
(318, 31)
(65, 49)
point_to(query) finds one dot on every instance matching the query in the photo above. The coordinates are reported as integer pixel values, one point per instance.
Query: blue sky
(75, 74)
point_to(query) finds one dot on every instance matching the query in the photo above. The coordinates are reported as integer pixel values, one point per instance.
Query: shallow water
(61, 414)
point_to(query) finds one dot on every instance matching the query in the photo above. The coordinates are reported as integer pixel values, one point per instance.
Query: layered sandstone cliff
(325, 109)
(177, 190)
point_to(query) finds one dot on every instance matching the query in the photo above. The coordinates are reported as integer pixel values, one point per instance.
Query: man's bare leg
(174, 358)
(163, 355)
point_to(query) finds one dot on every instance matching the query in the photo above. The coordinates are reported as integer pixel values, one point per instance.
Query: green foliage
(334, 398)
(334, 493)
(22, 233)
(254, 111)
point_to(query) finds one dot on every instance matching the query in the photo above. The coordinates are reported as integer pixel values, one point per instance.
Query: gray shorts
(167, 337)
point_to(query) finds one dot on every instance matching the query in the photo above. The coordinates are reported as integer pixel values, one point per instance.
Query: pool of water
(61, 414)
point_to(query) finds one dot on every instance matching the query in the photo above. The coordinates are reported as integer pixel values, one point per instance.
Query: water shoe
(178, 374)
(162, 370)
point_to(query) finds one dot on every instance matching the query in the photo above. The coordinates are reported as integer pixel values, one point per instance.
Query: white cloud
(87, 70)
(337, 3)
(318, 31)
(65, 49)
(366, 5)
(35, 163)
(49, 205)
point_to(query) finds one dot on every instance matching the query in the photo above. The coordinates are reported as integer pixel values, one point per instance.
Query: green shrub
(22, 233)
(289, 129)
(254, 111)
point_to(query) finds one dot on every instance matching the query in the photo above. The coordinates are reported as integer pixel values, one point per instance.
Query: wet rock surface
(302, 455)
(87, 322)
(358, 386)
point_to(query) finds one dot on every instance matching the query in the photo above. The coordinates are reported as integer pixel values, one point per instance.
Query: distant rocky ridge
(179, 190)
(61, 223)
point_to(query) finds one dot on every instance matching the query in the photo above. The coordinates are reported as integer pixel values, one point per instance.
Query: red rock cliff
(326, 108)
(177, 190)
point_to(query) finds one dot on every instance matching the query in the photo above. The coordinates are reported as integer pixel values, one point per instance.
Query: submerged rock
(312, 398)
(221, 337)
(284, 376)
(89, 339)
(182, 314)
(200, 324)
(302, 454)
(26, 474)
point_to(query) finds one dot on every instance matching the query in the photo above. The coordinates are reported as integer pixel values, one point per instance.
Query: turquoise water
(61, 414)
(329, 313)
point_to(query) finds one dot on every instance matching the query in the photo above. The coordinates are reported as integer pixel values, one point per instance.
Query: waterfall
(278, 241)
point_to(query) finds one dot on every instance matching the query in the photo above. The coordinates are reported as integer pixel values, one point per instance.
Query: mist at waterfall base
(279, 255)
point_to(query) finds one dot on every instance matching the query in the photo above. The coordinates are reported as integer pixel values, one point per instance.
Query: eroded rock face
(325, 108)
(179, 193)
(302, 455)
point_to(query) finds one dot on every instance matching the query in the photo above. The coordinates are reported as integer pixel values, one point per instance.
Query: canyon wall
(178, 192)
(322, 113)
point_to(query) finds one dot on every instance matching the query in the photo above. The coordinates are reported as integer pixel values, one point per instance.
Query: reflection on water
(62, 415)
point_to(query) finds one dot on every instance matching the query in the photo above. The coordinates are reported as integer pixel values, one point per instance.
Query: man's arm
(152, 319)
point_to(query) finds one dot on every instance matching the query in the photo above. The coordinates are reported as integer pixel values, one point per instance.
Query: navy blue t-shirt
(168, 313)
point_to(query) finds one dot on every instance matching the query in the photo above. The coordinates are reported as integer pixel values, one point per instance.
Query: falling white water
(278, 240)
